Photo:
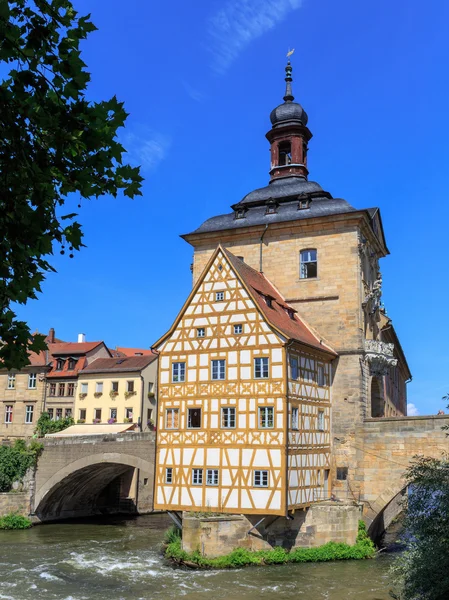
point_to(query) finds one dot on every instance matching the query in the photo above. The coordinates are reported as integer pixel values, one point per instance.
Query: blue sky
(199, 80)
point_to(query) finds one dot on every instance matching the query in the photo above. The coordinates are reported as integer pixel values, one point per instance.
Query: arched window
(308, 264)
(285, 153)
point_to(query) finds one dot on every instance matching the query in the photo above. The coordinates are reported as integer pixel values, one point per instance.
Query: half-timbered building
(244, 401)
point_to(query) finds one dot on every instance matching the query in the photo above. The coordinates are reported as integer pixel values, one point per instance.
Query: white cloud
(148, 148)
(193, 92)
(240, 22)
(412, 411)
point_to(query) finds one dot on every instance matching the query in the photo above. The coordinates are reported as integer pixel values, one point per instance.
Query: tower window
(285, 153)
(303, 204)
(271, 208)
(240, 213)
(308, 264)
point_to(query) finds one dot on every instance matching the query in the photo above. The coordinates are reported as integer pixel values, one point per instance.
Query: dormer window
(72, 363)
(59, 364)
(268, 301)
(304, 203)
(291, 313)
(240, 213)
(271, 208)
(285, 153)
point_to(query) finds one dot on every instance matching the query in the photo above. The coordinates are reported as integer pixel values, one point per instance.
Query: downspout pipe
(261, 241)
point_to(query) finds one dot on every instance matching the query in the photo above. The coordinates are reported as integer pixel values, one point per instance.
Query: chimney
(51, 336)
(81, 338)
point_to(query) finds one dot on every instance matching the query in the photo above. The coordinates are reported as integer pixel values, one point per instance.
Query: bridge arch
(75, 489)
(386, 508)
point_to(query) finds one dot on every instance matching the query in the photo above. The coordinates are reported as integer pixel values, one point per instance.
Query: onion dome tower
(289, 135)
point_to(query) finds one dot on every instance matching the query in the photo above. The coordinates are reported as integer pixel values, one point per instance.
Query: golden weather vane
(290, 52)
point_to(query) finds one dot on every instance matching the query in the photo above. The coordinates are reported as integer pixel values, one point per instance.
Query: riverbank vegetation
(241, 557)
(422, 572)
(15, 461)
(14, 521)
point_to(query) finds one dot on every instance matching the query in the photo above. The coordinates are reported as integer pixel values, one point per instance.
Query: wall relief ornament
(379, 357)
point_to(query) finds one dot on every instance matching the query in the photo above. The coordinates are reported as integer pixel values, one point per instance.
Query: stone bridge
(384, 448)
(94, 474)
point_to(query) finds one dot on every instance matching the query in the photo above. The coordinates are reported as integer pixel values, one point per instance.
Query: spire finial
(288, 79)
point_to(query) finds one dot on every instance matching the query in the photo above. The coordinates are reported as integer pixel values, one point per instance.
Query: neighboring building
(118, 390)
(67, 360)
(22, 398)
(244, 403)
(134, 351)
(323, 256)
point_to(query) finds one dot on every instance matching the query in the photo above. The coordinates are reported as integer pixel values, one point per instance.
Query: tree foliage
(55, 145)
(422, 573)
(15, 461)
(46, 425)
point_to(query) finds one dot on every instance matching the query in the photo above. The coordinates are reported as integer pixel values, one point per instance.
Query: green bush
(14, 521)
(172, 535)
(241, 557)
(46, 424)
(15, 461)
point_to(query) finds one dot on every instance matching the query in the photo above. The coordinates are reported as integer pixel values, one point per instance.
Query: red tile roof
(72, 348)
(134, 351)
(117, 365)
(260, 287)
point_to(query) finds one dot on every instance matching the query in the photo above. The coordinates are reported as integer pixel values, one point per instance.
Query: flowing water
(121, 560)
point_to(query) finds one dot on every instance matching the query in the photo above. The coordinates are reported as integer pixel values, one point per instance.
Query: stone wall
(17, 502)
(321, 523)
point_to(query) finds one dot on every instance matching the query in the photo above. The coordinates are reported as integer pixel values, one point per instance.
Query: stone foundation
(218, 535)
(17, 502)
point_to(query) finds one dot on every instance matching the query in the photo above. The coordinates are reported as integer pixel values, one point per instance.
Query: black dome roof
(288, 111)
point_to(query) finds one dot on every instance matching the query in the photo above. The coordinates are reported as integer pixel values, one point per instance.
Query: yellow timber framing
(234, 450)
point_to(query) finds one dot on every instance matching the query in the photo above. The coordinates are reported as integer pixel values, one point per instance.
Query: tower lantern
(289, 135)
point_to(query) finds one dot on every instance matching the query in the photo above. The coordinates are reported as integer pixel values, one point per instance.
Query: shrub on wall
(15, 461)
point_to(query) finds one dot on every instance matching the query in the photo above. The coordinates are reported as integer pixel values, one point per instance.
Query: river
(121, 560)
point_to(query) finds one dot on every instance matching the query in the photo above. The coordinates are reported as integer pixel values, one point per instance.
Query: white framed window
(82, 414)
(260, 478)
(29, 410)
(178, 372)
(295, 418)
(130, 386)
(32, 381)
(11, 381)
(212, 477)
(113, 413)
(320, 425)
(293, 368)
(261, 368)
(219, 296)
(197, 476)
(50, 412)
(169, 475)
(266, 417)
(71, 364)
(320, 375)
(194, 418)
(238, 329)
(8, 413)
(97, 414)
(200, 332)
(228, 417)
(308, 264)
(70, 389)
(84, 388)
(129, 413)
(172, 418)
(61, 389)
(68, 413)
(99, 387)
(114, 386)
(58, 414)
(218, 369)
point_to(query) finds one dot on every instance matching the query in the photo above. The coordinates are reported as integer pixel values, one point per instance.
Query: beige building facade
(118, 390)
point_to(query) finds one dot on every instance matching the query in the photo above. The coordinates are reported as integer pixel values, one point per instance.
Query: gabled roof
(72, 348)
(258, 288)
(134, 351)
(120, 365)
